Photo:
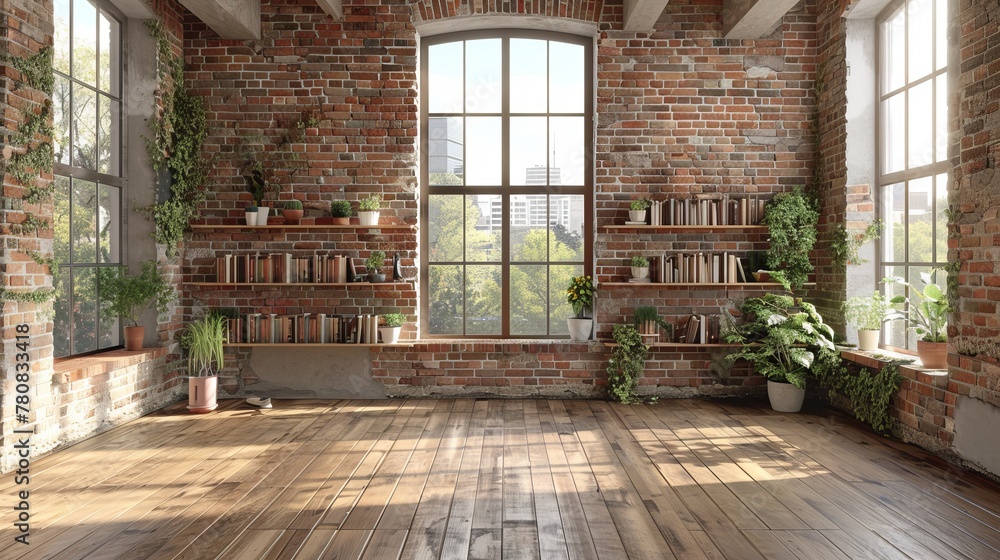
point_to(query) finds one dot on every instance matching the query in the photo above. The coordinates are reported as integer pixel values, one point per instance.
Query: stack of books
(282, 268)
(699, 330)
(703, 211)
(698, 268)
(303, 328)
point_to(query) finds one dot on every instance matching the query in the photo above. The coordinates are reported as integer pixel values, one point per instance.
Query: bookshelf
(681, 229)
(345, 285)
(300, 226)
(690, 285)
(682, 345)
(315, 345)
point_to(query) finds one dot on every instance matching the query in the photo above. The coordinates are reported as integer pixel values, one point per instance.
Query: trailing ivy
(845, 244)
(36, 70)
(626, 364)
(37, 297)
(179, 131)
(791, 224)
(870, 394)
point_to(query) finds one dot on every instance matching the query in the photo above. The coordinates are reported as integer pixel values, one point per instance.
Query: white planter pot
(640, 271)
(390, 335)
(785, 397)
(368, 218)
(868, 340)
(637, 215)
(262, 212)
(580, 329)
(251, 218)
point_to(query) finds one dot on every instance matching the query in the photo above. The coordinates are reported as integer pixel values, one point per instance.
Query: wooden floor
(689, 479)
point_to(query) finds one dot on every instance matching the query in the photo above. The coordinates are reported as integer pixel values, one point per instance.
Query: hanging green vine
(179, 131)
(626, 364)
(36, 70)
(845, 244)
(870, 394)
(37, 297)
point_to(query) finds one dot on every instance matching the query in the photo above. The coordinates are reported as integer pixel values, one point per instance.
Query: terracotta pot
(390, 335)
(341, 221)
(202, 394)
(933, 355)
(292, 216)
(579, 329)
(785, 397)
(868, 340)
(133, 337)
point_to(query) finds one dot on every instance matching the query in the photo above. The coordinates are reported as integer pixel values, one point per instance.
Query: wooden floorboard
(485, 479)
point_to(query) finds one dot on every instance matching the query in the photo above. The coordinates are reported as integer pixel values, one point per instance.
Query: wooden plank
(385, 544)
(768, 544)
(549, 523)
(458, 534)
(347, 545)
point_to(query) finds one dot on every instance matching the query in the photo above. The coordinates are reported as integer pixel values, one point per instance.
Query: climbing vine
(870, 394)
(845, 244)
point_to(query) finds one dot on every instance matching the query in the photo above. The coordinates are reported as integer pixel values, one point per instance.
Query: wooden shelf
(681, 229)
(662, 285)
(278, 227)
(683, 345)
(316, 344)
(299, 284)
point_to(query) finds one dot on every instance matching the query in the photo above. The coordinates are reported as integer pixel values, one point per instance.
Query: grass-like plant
(205, 338)
(129, 297)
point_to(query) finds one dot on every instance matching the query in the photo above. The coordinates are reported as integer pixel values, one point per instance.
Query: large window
(913, 137)
(507, 181)
(89, 181)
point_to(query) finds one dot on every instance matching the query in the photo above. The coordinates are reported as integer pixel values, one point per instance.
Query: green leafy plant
(205, 338)
(639, 262)
(867, 313)
(791, 222)
(129, 297)
(782, 341)
(370, 203)
(375, 261)
(250, 209)
(580, 294)
(870, 394)
(845, 244)
(341, 209)
(257, 184)
(393, 319)
(293, 205)
(639, 204)
(928, 313)
(649, 314)
(626, 364)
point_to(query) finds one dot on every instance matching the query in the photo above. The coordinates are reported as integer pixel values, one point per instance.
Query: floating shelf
(317, 344)
(299, 284)
(681, 285)
(278, 227)
(683, 345)
(680, 229)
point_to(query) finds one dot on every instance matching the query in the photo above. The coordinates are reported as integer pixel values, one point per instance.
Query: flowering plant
(580, 294)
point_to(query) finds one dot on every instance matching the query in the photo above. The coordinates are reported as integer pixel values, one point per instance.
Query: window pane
(444, 76)
(61, 317)
(107, 136)
(84, 221)
(921, 133)
(60, 220)
(529, 307)
(60, 120)
(527, 151)
(483, 83)
(529, 237)
(484, 228)
(85, 42)
(445, 228)
(894, 234)
(109, 214)
(110, 329)
(941, 117)
(482, 296)
(84, 310)
(921, 218)
(483, 156)
(60, 61)
(894, 52)
(921, 38)
(444, 150)
(84, 128)
(941, 218)
(895, 331)
(528, 92)
(445, 299)
(559, 309)
(894, 133)
(567, 157)
(566, 225)
(566, 87)
(941, 33)
(110, 53)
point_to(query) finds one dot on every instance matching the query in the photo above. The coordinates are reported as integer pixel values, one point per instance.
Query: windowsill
(880, 357)
(69, 370)
(511, 341)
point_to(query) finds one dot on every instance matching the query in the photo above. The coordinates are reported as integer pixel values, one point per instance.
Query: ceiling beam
(334, 8)
(641, 15)
(231, 19)
(752, 19)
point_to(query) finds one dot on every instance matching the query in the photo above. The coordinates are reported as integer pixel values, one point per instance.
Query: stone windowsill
(869, 360)
(73, 369)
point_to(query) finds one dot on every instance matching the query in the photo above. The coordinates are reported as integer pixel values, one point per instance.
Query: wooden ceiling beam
(231, 19)
(752, 19)
(641, 15)
(334, 8)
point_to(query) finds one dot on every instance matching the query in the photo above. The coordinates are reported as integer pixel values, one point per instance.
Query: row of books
(304, 328)
(702, 268)
(724, 211)
(698, 329)
(284, 268)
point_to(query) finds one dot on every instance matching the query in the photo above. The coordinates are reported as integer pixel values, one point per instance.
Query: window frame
(506, 190)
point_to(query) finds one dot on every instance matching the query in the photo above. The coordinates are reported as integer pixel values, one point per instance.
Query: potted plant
(580, 295)
(637, 210)
(928, 316)
(640, 267)
(392, 324)
(867, 313)
(341, 211)
(292, 212)
(129, 297)
(647, 320)
(791, 225)
(783, 342)
(373, 264)
(204, 339)
(250, 213)
(368, 210)
(258, 186)
(626, 364)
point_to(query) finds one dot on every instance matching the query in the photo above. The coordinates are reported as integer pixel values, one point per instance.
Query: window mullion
(505, 183)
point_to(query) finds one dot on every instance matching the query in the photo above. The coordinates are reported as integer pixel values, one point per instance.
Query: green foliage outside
(129, 297)
(626, 364)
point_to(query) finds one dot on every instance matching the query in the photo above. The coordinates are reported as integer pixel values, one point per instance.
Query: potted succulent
(368, 210)
(580, 295)
(640, 267)
(783, 342)
(373, 264)
(204, 339)
(292, 212)
(867, 313)
(341, 211)
(392, 324)
(637, 210)
(250, 213)
(928, 316)
(129, 297)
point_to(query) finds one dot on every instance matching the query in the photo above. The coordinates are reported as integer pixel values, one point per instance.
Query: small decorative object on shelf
(341, 211)
(928, 316)
(397, 272)
(250, 214)
(292, 212)
(128, 297)
(867, 313)
(640, 269)
(637, 211)
(580, 295)
(368, 210)
(374, 264)
(392, 324)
